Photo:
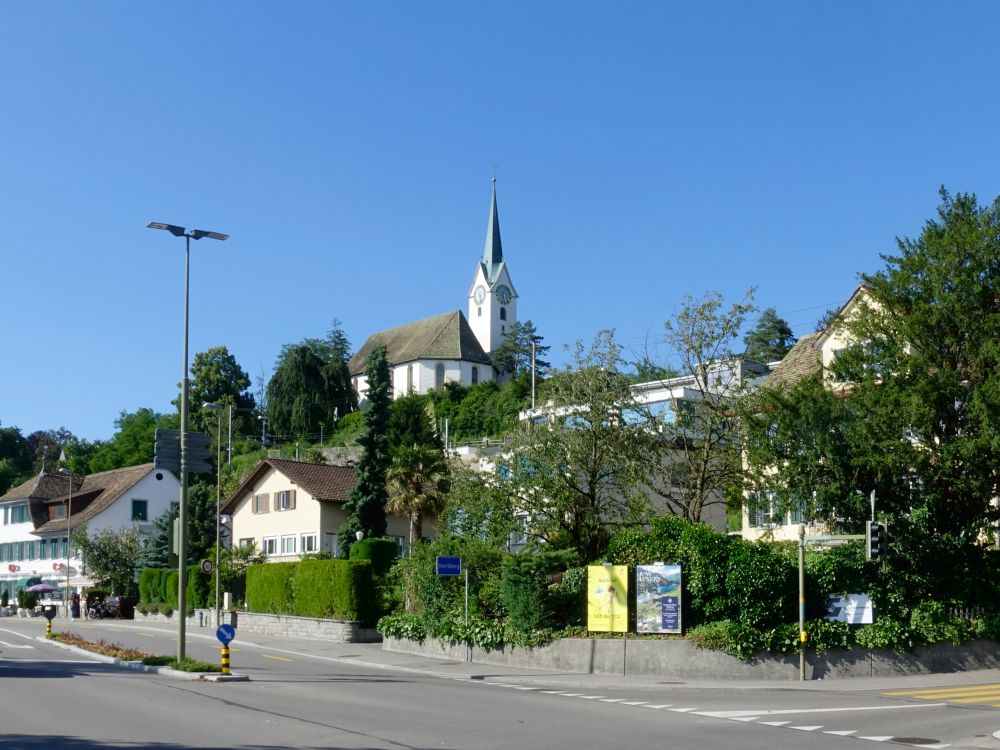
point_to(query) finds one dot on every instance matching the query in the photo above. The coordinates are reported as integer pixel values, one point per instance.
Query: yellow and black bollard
(48, 628)
(225, 660)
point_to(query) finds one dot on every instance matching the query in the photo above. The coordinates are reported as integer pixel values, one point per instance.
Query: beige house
(812, 354)
(287, 509)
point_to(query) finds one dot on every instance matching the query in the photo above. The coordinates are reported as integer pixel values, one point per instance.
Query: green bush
(524, 588)
(149, 585)
(339, 589)
(269, 587)
(381, 553)
(170, 588)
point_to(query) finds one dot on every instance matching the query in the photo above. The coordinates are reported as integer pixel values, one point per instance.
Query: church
(428, 353)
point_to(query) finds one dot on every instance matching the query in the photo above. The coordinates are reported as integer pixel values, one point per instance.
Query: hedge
(149, 585)
(337, 589)
(381, 552)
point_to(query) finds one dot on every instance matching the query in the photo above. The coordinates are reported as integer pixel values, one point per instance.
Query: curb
(135, 666)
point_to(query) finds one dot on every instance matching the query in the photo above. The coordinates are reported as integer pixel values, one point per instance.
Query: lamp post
(218, 497)
(194, 234)
(69, 540)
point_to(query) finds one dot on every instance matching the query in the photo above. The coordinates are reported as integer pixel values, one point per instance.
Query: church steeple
(493, 252)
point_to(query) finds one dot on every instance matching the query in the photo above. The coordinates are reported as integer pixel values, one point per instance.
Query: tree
(133, 443)
(417, 480)
(156, 544)
(577, 476)
(647, 371)
(770, 340)
(917, 417)
(365, 506)
(201, 519)
(697, 459)
(411, 422)
(15, 458)
(311, 386)
(217, 378)
(111, 557)
(514, 353)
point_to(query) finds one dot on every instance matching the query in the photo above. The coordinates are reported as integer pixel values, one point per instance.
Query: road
(308, 694)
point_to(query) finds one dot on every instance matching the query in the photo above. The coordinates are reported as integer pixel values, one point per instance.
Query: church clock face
(503, 294)
(479, 294)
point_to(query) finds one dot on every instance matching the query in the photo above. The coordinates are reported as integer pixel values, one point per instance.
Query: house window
(269, 545)
(22, 513)
(400, 541)
(308, 543)
(503, 313)
(140, 510)
(284, 500)
(43, 550)
(439, 375)
(31, 550)
(260, 503)
(60, 511)
(6, 515)
(475, 375)
(288, 545)
(247, 542)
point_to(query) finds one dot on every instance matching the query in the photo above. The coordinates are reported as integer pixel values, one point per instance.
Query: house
(451, 347)
(287, 509)
(812, 355)
(37, 519)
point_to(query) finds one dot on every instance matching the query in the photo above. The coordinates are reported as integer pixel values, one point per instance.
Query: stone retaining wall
(680, 659)
(284, 625)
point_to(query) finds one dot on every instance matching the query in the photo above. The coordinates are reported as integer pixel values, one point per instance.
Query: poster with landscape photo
(658, 598)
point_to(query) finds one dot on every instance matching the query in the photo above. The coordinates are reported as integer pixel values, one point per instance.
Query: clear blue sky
(645, 151)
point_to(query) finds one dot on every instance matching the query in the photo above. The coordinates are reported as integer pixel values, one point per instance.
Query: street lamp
(194, 234)
(69, 539)
(218, 496)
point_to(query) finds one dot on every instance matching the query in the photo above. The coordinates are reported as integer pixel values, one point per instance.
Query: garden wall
(680, 659)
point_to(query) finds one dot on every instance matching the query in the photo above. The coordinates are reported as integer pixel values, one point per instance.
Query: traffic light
(878, 541)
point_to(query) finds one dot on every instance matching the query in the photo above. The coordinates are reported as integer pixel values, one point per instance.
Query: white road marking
(612, 700)
(783, 711)
(842, 732)
(684, 710)
(591, 697)
(634, 703)
(554, 692)
(659, 705)
(774, 723)
(15, 645)
(525, 687)
(807, 729)
(876, 739)
(745, 718)
(571, 695)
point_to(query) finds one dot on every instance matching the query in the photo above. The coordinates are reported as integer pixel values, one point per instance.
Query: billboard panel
(658, 598)
(607, 598)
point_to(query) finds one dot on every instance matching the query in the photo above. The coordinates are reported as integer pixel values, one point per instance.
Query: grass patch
(124, 653)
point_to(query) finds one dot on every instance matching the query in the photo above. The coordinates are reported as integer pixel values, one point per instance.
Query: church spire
(493, 252)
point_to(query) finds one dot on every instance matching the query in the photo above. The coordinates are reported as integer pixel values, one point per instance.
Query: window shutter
(291, 499)
(265, 499)
(277, 501)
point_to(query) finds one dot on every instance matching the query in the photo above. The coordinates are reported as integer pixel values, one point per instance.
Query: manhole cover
(914, 741)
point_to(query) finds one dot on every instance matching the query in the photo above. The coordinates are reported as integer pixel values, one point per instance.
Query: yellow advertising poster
(607, 598)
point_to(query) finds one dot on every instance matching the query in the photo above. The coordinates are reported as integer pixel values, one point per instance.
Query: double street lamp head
(195, 234)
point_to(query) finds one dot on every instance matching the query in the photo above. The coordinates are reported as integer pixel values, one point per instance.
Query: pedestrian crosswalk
(988, 695)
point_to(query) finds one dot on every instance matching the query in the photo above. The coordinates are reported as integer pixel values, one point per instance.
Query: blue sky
(645, 151)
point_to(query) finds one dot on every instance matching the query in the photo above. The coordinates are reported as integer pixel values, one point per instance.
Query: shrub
(170, 588)
(269, 587)
(341, 589)
(149, 585)
(524, 588)
(165, 587)
(381, 553)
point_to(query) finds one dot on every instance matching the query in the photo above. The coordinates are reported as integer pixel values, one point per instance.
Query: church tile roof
(447, 336)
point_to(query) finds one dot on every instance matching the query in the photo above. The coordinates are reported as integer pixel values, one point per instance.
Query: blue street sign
(225, 634)
(449, 566)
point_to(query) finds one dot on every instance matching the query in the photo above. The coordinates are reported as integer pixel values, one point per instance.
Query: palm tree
(417, 480)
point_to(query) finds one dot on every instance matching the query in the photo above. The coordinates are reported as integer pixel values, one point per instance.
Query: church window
(503, 313)
(409, 379)
(439, 375)
(475, 375)
(479, 312)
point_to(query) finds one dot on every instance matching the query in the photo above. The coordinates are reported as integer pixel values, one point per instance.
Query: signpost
(448, 565)
(225, 634)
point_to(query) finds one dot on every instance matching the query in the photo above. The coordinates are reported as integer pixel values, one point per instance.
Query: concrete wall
(680, 659)
(282, 625)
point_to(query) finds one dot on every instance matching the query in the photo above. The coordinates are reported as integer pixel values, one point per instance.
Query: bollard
(225, 660)
(48, 628)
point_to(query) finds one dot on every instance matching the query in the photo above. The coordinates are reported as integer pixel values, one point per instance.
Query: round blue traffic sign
(225, 634)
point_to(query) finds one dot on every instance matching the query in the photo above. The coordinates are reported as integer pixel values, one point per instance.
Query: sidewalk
(372, 655)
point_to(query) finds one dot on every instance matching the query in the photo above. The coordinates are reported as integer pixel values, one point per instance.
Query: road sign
(225, 633)
(167, 451)
(207, 566)
(449, 566)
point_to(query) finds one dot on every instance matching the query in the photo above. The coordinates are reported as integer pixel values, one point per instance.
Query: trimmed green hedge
(335, 589)
(381, 552)
(149, 585)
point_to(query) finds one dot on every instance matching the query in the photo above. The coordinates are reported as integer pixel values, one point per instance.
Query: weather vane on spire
(494, 168)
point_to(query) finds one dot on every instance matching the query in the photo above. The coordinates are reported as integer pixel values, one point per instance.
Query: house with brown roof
(287, 509)
(38, 518)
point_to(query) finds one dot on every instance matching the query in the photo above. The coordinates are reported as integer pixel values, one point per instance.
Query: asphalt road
(309, 694)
